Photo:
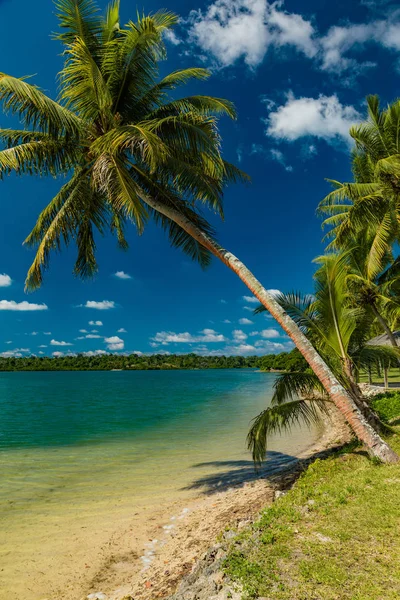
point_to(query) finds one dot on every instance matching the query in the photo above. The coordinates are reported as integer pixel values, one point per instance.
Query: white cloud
(239, 350)
(239, 335)
(230, 30)
(46, 332)
(93, 336)
(94, 353)
(209, 335)
(83, 331)
(96, 323)
(245, 321)
(323, 117)
(248, 308)
(56, 343)
(58, 354)
(10, 354)
(274, 292)
(103, 305)
(171, 37)
(5, 280)
(16, 353)
(223, 301)
(233, 30)
(341, 40)
(9, 342)
(33, 333)
(42, 346)
(227, 321)
(268, 347)
(114, 343)
(21, 306)
(270, 333)
(121, 330)
(251, 300)
(170, 337)
(122, 275)
(279, 157)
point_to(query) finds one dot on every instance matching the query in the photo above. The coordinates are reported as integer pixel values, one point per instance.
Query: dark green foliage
(285, 361)
(130, 362)
(387, 406)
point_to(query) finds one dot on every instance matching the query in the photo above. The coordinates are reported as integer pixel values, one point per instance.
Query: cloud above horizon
(122, 275)
(228, 31)
(21, 306)
(56, 343)
(102, 305)
(323, 117)
(114, 343)
(5, 280)
(170, 337)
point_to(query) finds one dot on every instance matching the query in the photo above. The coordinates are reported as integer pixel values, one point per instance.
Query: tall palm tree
(370, 203)
(340, 332)
(133, 152)
(365, 214)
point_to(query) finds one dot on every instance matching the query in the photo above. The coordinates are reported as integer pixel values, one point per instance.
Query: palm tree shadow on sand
(239, 472)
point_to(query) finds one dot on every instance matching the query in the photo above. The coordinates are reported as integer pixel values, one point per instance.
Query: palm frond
(295, 385)
(36, 110)
(283, 418)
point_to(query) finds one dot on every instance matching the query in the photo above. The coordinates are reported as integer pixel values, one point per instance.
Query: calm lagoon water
(83, 451)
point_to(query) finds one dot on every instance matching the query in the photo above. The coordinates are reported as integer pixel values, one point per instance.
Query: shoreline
(178, 537)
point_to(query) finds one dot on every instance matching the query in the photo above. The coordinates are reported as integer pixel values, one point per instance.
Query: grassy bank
(393, 377)
(333, 536)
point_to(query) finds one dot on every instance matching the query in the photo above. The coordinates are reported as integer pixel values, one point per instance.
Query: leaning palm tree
(340, 331)
(133, 152)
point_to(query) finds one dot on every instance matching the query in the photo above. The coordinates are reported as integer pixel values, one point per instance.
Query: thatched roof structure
(383, 339)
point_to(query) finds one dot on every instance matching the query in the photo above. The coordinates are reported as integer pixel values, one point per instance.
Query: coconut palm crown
(118, 137)
(370, 205)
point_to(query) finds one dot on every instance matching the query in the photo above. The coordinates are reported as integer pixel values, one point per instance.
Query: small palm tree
(340, 332)
(379, 291)
(133, 152)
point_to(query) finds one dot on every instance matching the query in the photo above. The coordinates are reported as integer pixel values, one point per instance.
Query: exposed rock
(279, 494)
(207, 581)
(369, 391)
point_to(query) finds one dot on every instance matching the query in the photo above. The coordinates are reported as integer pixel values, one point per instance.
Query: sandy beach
(167, 545)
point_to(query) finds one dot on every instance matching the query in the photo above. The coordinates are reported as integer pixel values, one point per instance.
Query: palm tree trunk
(363, 430)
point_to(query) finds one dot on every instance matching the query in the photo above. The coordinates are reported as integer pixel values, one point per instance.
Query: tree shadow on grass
(236, 473)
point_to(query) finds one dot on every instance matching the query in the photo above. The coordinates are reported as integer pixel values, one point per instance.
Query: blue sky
(298, 73)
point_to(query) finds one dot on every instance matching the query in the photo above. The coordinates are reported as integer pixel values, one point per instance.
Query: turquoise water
(85, 451)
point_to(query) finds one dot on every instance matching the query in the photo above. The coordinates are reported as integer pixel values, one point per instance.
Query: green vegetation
(377, 377)
(387, 405)
(357, 285)
(339, 330)
(333, 536)
(285, 361)
(130, 362)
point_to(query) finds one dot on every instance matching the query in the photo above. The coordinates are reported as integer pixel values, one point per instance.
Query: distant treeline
(286, 361)
(108, 362)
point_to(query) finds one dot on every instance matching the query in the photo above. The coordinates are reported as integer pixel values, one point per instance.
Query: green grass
(333, 536)
(393, 377)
